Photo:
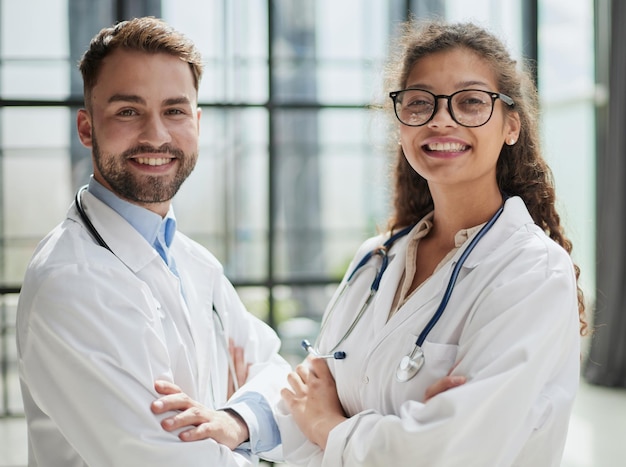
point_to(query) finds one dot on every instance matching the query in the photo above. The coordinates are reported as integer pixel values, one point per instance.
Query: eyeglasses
(467, 107)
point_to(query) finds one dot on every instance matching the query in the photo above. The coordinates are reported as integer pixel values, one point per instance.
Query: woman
(467, 157)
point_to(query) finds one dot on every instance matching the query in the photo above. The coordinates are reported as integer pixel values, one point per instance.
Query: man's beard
(144, 188)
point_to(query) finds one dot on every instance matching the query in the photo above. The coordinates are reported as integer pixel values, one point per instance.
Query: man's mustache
(144, 148)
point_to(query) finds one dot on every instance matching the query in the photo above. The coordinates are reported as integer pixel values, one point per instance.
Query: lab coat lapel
(419, 308)
(427, 298)
(199, 298)
(389, 285)
(143, 260)
(125, 242)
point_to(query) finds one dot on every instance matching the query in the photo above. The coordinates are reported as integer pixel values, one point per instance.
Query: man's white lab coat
(94, 332)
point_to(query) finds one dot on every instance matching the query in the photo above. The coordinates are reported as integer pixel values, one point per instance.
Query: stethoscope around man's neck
(78, 201)
(410, 364)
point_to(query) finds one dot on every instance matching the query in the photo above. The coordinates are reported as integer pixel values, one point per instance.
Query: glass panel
(34, 29)
(36, 181)
(298, 314)
(501, 18)
(567, 90)
(318, 59)
(36, 196)
(52, 124)
(232, 37)
(331, 190)
(224, 203)
(10, 396)
(35, 80)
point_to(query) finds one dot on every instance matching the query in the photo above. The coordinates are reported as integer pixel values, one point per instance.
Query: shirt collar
(423, 228)
(146, 222)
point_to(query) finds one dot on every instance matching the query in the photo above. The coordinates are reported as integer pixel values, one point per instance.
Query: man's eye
(127, 112)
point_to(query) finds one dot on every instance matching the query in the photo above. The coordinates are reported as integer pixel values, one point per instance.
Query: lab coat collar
(514, 216)
(125, 242)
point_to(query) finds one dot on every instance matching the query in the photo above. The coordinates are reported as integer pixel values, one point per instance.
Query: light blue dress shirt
(159, 232)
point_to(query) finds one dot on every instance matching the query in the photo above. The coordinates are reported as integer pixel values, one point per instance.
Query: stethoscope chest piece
(410, 365)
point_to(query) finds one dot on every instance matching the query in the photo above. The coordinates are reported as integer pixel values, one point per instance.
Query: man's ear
(85, 128)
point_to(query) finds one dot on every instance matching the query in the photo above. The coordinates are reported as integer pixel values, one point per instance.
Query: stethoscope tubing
(383, 252)
(455, 274)
(96, 235)
(410, 364)
(78, 201)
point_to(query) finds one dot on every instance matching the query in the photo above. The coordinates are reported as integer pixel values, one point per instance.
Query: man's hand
(224, 426)
(240, 367)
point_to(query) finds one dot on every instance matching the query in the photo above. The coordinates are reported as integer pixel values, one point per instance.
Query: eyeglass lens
(468, 107)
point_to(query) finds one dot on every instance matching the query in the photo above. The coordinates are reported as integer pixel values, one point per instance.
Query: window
(293, 166)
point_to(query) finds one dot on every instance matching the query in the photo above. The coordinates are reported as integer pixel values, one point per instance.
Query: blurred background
(293, 166)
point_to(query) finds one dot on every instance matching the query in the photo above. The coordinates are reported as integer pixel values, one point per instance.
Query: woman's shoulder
(529, 240)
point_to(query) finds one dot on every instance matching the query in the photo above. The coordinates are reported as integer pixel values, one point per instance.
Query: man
(115, 298)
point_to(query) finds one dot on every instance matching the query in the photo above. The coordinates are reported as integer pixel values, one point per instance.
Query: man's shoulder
(193, 249)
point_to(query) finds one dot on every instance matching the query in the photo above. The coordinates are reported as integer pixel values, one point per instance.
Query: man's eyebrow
(126, 98)
(177, 101)
(135, 99)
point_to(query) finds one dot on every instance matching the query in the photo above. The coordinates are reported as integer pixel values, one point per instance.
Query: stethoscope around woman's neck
(410, 364)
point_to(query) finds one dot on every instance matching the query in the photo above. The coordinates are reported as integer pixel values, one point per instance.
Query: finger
(193, 416)
(195, 434)
(166, 387)
(171, 402)
(288, 396)
(241, 367)
(304, 371)
(231, 386)
(319, 367)
(445, 383)
(295, 381)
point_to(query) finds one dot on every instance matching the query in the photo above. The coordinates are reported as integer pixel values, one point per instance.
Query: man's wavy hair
(147, 34)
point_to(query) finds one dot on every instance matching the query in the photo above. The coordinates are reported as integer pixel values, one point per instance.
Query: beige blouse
(420, 231)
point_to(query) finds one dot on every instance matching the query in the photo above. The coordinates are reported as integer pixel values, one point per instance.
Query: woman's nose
(442, 115)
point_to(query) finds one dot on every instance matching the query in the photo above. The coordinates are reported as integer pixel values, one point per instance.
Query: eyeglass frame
(492, 94)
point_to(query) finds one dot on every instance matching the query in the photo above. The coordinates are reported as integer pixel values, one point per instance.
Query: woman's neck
(462, 210)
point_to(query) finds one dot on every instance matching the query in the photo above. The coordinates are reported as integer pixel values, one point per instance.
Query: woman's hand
(313, 400)
(442, 385)
(224, 426)
(315, 405)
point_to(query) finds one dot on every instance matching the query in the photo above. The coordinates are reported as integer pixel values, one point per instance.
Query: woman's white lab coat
(95, 331)
(511, 327)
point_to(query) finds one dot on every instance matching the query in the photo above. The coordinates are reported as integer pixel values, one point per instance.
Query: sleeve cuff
(257, 414)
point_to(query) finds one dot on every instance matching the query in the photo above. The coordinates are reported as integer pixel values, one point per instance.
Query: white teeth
(446, 147)
(153, 161)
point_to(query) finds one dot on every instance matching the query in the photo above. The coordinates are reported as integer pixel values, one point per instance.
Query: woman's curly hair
(521, 170)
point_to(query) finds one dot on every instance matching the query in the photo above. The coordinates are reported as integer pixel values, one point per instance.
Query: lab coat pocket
(439, 358)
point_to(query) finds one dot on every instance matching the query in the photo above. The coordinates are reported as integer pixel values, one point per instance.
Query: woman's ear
(85, 128)
(513, 128)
